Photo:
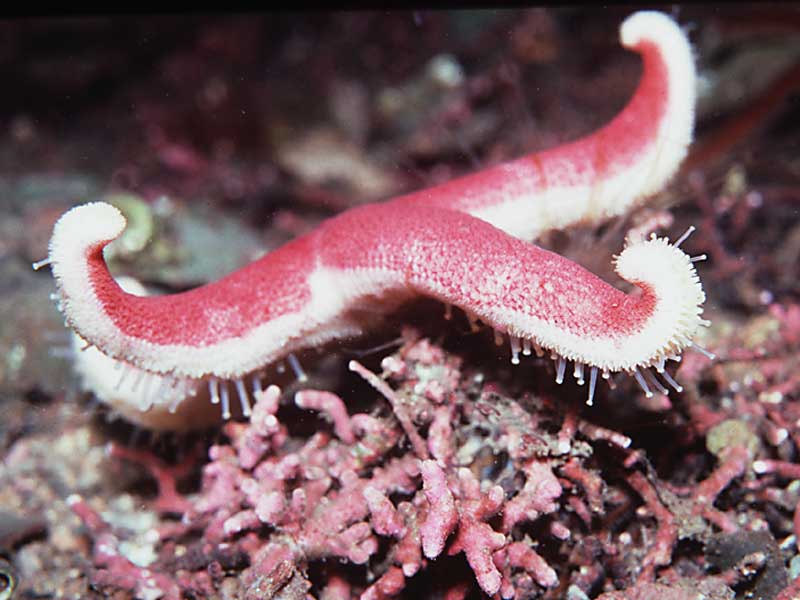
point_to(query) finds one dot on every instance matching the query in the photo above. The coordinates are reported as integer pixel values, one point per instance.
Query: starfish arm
(604, 174)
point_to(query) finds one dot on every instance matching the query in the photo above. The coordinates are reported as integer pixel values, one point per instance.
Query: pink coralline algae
(357, 493)
(343, 495)
(485, 548)
(506, 493)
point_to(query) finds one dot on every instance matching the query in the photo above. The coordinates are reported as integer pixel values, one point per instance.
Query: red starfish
(456, 242)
